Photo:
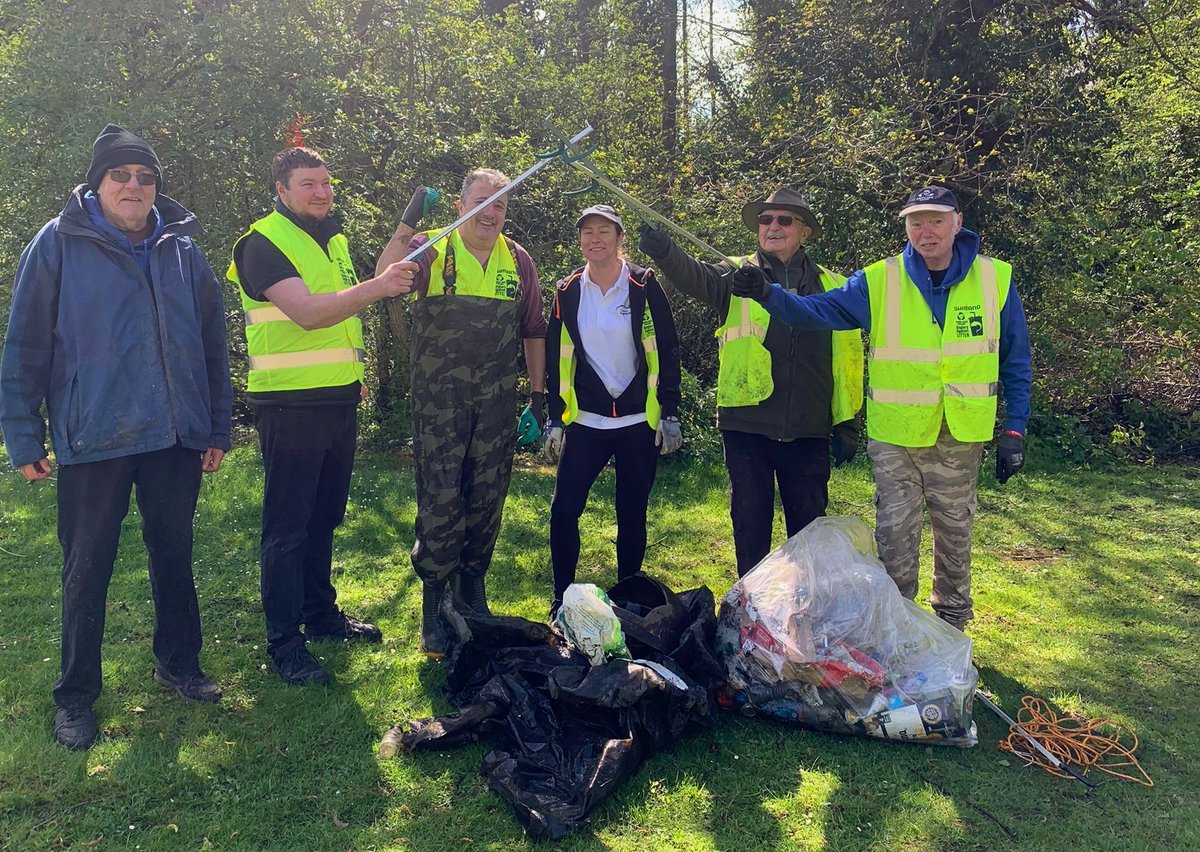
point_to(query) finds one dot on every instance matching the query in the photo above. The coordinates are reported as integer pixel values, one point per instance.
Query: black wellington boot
(434, 640)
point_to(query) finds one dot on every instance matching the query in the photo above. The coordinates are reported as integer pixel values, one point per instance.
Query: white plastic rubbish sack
(589, 623)
(818, 634)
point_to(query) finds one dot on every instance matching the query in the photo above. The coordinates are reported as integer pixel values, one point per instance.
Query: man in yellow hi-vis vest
(947, 330)
(784, 396)
(478, 300)
(300, 295)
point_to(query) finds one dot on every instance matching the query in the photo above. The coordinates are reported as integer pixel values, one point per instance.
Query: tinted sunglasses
(784, 220)
(143, 178)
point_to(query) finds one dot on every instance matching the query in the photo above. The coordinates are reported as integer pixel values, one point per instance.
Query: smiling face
(932, 234)
(600, 240)
(308, 192)
(782, 241)
(483, 229)
(127, 205)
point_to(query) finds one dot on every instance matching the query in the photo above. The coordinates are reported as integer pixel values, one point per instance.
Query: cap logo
(926, 193)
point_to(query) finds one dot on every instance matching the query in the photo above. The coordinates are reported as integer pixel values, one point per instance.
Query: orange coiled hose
(1075, 740)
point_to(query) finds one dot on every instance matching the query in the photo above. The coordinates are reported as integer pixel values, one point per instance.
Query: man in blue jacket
(117, 324)
(947, 330)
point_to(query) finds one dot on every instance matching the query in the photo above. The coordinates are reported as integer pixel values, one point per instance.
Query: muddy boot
(475, 594)
(433, 630)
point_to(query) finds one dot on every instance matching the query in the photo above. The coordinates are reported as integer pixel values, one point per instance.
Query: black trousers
(93, 499)
(755, 463)
(585, 453)
(308, 455)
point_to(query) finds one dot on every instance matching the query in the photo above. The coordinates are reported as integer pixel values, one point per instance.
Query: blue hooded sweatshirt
(849, 307)
(129, 353)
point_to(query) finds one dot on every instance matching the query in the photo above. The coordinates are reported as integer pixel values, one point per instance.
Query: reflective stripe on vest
(566, 368)
(464, 276)
(744, 377)
(283, 355)
(921, 374)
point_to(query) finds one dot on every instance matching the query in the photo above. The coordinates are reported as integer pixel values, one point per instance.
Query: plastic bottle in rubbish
(389, 746)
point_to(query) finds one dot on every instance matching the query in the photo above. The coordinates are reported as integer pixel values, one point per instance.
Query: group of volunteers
(117, 327)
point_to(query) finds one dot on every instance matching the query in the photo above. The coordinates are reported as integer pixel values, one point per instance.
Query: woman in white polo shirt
(612, 355)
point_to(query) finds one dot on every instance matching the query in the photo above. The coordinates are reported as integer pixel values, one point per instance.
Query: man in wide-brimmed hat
(947, 333)
(783, 395)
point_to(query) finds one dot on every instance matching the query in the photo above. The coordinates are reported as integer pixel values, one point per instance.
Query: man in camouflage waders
(477, 292)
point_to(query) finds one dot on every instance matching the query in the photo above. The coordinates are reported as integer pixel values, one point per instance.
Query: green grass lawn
(1086, 593)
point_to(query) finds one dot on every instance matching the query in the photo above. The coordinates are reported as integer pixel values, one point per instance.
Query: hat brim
(927, 208)
(752, 209)
(606, 216)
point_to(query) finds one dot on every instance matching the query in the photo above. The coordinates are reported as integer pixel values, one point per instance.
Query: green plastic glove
(528, 431)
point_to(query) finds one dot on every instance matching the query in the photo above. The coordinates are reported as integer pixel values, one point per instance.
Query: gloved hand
(537, 404)
(750, 282)
(1010, 455)
(552, 443)
(669, 436)
(423, 200)
(844, 442)
(654, 241)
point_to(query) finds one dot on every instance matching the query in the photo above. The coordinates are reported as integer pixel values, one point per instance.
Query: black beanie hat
(116, 146)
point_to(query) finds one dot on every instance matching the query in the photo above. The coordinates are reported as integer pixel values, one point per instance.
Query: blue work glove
(654, 241)
(1010, 455)
(668, 436)
(844, 442)
(750, 282)
(423, 200)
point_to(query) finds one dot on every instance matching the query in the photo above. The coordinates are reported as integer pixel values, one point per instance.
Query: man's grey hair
(495, 177)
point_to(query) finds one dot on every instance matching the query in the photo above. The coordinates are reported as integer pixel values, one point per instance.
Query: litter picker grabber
(581, 160)
(543, 160)
(1054, 761)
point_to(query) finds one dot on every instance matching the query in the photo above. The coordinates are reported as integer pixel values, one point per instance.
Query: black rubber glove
(844, 442)
(537, 405)
(750, 282)
(1010, 455)
(654, 241)
(422, 201)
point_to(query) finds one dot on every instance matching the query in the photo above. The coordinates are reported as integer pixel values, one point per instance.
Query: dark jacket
(590, 391)
(801, 361)
(125, 364)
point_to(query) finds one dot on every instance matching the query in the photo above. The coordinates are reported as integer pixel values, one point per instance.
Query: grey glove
(552, 443)
(422, 201)
(669, 436)
(654, 241)
(750, 282)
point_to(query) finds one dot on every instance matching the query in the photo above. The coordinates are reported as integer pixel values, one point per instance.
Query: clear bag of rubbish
(818, 634)
(589, 623)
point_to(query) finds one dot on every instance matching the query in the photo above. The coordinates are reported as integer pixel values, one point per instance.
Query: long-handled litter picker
(1054, 761)
(580, 160)
(543, 161)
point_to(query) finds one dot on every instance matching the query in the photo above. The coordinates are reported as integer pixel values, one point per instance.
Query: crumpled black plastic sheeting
(566, 734)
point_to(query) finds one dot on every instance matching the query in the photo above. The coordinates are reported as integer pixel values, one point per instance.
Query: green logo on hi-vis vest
(506, 283)
(968, 323)
(347, 272)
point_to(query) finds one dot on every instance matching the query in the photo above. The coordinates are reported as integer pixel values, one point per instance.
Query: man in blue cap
(947, 332)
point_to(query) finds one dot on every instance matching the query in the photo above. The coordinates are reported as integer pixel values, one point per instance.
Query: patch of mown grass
(1086, 594)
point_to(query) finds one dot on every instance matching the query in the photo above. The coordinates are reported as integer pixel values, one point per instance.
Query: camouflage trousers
(944, 478)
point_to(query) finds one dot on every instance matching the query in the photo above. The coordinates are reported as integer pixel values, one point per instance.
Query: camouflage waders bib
(464, 379)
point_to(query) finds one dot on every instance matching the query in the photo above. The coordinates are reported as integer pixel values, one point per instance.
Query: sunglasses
(784, 220)
(143, 178)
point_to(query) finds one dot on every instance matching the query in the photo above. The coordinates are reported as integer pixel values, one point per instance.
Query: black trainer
(196, 686)
(297, 667)
(75, 729)
(352, 630)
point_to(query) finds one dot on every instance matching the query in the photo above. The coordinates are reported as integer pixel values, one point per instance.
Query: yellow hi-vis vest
(566, 367)
(456, 272)
(920, 373)
(744, 376)
(283, 355)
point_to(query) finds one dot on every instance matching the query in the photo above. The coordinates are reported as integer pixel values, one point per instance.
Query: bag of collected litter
(589, 623)
(818, 634)
(566, 733)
